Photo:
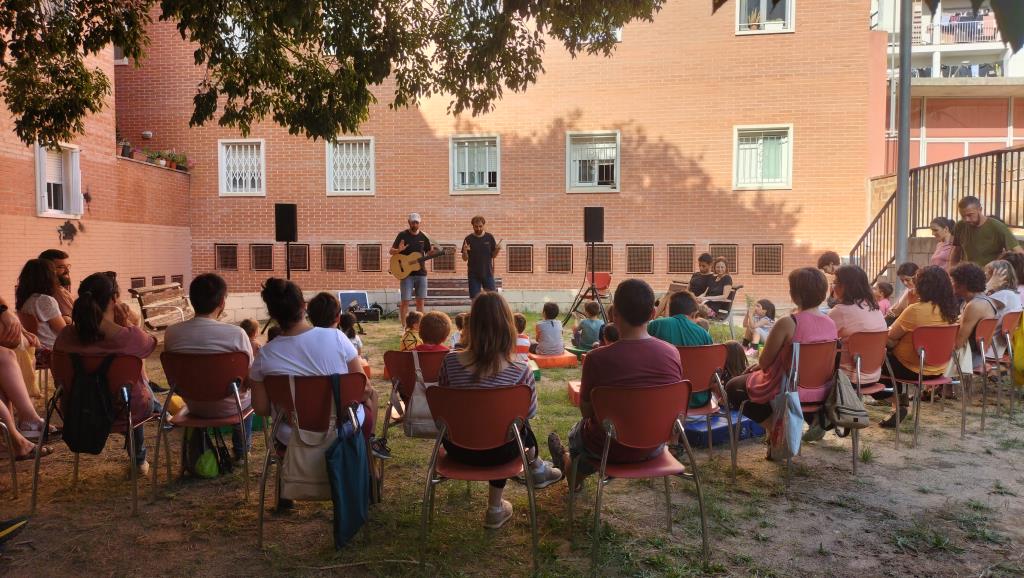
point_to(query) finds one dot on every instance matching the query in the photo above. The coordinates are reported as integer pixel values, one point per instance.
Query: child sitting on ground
(882, 292)
(736, 361)
(347, 325)
(251, 327)
(549, 333)
(411, 337)
(587, 333)
(460, 322)
(434, 329)
(522, 339)
(758, 323)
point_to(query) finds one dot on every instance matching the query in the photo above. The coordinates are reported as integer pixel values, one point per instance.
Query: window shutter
(41, 160)
(75, 189)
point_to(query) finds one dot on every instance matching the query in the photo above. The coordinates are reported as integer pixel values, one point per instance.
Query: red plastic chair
(120, 377)
(1004, 362)
(313, 408)
(477, 418)
(601, 282)
(642, 417)
(867, 350)
(204, 377)
(984, 337)
(31, 324)
(701, 364)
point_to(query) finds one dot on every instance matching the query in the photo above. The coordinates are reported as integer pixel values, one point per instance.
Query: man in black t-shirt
(699, 281)
(479, 250)
(410, 241)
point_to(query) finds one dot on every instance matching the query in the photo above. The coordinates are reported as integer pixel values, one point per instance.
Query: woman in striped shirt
(489, 361)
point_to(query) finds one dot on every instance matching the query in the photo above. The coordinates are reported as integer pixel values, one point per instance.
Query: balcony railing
(992, 69)
(962, 32)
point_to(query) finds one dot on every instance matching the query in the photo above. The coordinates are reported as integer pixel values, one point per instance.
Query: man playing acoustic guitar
(410, 241)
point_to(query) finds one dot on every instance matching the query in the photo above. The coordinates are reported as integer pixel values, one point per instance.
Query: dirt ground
(949, 507)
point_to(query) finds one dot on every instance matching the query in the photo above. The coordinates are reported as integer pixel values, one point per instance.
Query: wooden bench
(163, 305)
(450, 291)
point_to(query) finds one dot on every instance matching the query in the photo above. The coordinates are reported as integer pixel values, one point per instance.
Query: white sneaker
(496, 517)
(544, 474)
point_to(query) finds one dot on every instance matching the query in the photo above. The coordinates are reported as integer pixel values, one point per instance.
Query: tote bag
(418, 421)
(304, 470)
(349, 473)
(788, 422)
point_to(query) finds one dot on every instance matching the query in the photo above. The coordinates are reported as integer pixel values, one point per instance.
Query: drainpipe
(903, 142)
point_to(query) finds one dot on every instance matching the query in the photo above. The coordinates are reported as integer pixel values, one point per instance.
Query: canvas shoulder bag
(304, 469)
(844, 407)
(418, 421)
(788, 416)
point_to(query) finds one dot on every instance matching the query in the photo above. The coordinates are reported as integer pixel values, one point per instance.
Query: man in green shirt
(679, 328)
(979, 238)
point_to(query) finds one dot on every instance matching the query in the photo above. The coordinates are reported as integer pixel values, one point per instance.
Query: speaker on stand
(593, 232)
(286, 230)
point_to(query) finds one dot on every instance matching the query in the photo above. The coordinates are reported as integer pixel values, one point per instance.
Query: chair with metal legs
(867, 350)
(701, 365)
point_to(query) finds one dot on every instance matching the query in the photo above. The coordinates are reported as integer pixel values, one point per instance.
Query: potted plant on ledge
(126, 148)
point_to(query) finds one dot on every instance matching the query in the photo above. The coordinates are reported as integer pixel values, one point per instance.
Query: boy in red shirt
(434, 330)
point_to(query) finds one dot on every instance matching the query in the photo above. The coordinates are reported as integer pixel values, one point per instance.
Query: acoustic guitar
(403, 265)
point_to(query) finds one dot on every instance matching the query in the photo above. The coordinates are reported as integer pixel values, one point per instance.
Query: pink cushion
(574, 393)
(564, 359)
(454, 470)
(658, 467)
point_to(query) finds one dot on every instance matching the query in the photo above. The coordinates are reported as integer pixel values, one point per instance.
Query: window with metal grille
(298, 257)
(179, 279)
(333, 257)
(639, 258)
(730, 252)
(159, 280)
(138, 282)
(763, 158)
(559, 258)
(475, 163)
(680, 258)
(261, 257)
(602, 258)
(350, 167)
(446, 262)
(242, 167)
(520, 258)
(226, 257)
(767, 260)
(592, 161)
(369, 257)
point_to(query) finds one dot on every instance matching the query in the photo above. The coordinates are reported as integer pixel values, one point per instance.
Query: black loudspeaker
(286, 226)
(593, 224)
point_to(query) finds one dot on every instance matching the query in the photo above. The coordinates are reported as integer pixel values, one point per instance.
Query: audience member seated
(548, 332)
(758, 324)
(856, 311)
(13, 390)
(906, 273)
(680, 328)
(62, 265)
(736, 361)
(94, 332)
(411, 337)
(1017, 261)
(935, 305)
(586, 332)
(700, 280)
(37, 286)
(203, 335)
(1001, 284)
(717, 295)
(882, 291)
(828, 262)
(251, 327)
(636, 360)
(302, 350)
(489, 361)
(969, 287)
(347, 325)
(522, 339)
(434, 330)
(324, 310)
(808, 289)
(460, 324)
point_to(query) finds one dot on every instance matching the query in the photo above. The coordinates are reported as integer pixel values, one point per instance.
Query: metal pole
(903, 145)
(288, 261)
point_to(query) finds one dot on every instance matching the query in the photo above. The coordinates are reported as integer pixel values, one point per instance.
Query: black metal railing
(996, 178)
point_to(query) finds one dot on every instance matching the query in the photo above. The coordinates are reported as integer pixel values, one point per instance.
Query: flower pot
(172, 164)
(161, 162)
(126, 150)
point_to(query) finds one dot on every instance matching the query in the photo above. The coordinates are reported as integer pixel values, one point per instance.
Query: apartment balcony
(960, 33)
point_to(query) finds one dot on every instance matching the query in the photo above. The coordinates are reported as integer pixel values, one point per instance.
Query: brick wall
(675, 89)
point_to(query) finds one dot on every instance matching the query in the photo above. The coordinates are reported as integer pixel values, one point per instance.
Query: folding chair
(642, 417)
(867, 350)
(701, 364)
(477, 418)
(9, 445)
(935, 345)
(725, 317)
(601, 282)
(120, 377)
(1006, 329)
(314, 408)
(31, 324)
(204, 377)
(984, 336)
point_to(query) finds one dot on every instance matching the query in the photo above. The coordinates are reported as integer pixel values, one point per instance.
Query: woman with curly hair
(936, 306)
(969, 287)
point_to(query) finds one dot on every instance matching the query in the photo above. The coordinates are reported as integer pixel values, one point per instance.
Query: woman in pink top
(94, 331)
(808, 288)
(942, 229)
(855, 312)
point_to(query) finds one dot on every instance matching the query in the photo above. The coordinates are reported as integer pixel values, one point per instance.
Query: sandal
(31, 455)
(32, 432)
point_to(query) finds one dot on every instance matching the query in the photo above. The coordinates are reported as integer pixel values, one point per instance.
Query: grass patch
(973, 520)
(921, 537)
(1000, 490)
(867, 455)
(1011, 444)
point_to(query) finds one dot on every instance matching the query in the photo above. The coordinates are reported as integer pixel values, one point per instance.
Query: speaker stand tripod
(581, 295)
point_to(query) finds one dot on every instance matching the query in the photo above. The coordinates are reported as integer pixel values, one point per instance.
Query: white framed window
(592, 161)
(763, 157)
(475, 164)
(58, 182)
(119, 57)
(765, 16)
(350, 167)
(242, 167)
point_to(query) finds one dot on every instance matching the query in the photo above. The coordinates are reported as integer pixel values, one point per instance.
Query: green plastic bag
(207, 466)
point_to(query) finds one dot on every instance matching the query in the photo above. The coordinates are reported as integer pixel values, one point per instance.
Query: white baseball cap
(414, 218)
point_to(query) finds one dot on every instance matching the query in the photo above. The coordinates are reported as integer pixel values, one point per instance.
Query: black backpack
(88, 410)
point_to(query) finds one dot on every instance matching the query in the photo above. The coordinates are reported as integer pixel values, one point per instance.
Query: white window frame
(72, 181)
(572, 188)
(221, 177)
(453, 188)
(373, 167)
(790, 18)
(119, 61)
(736, 130)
